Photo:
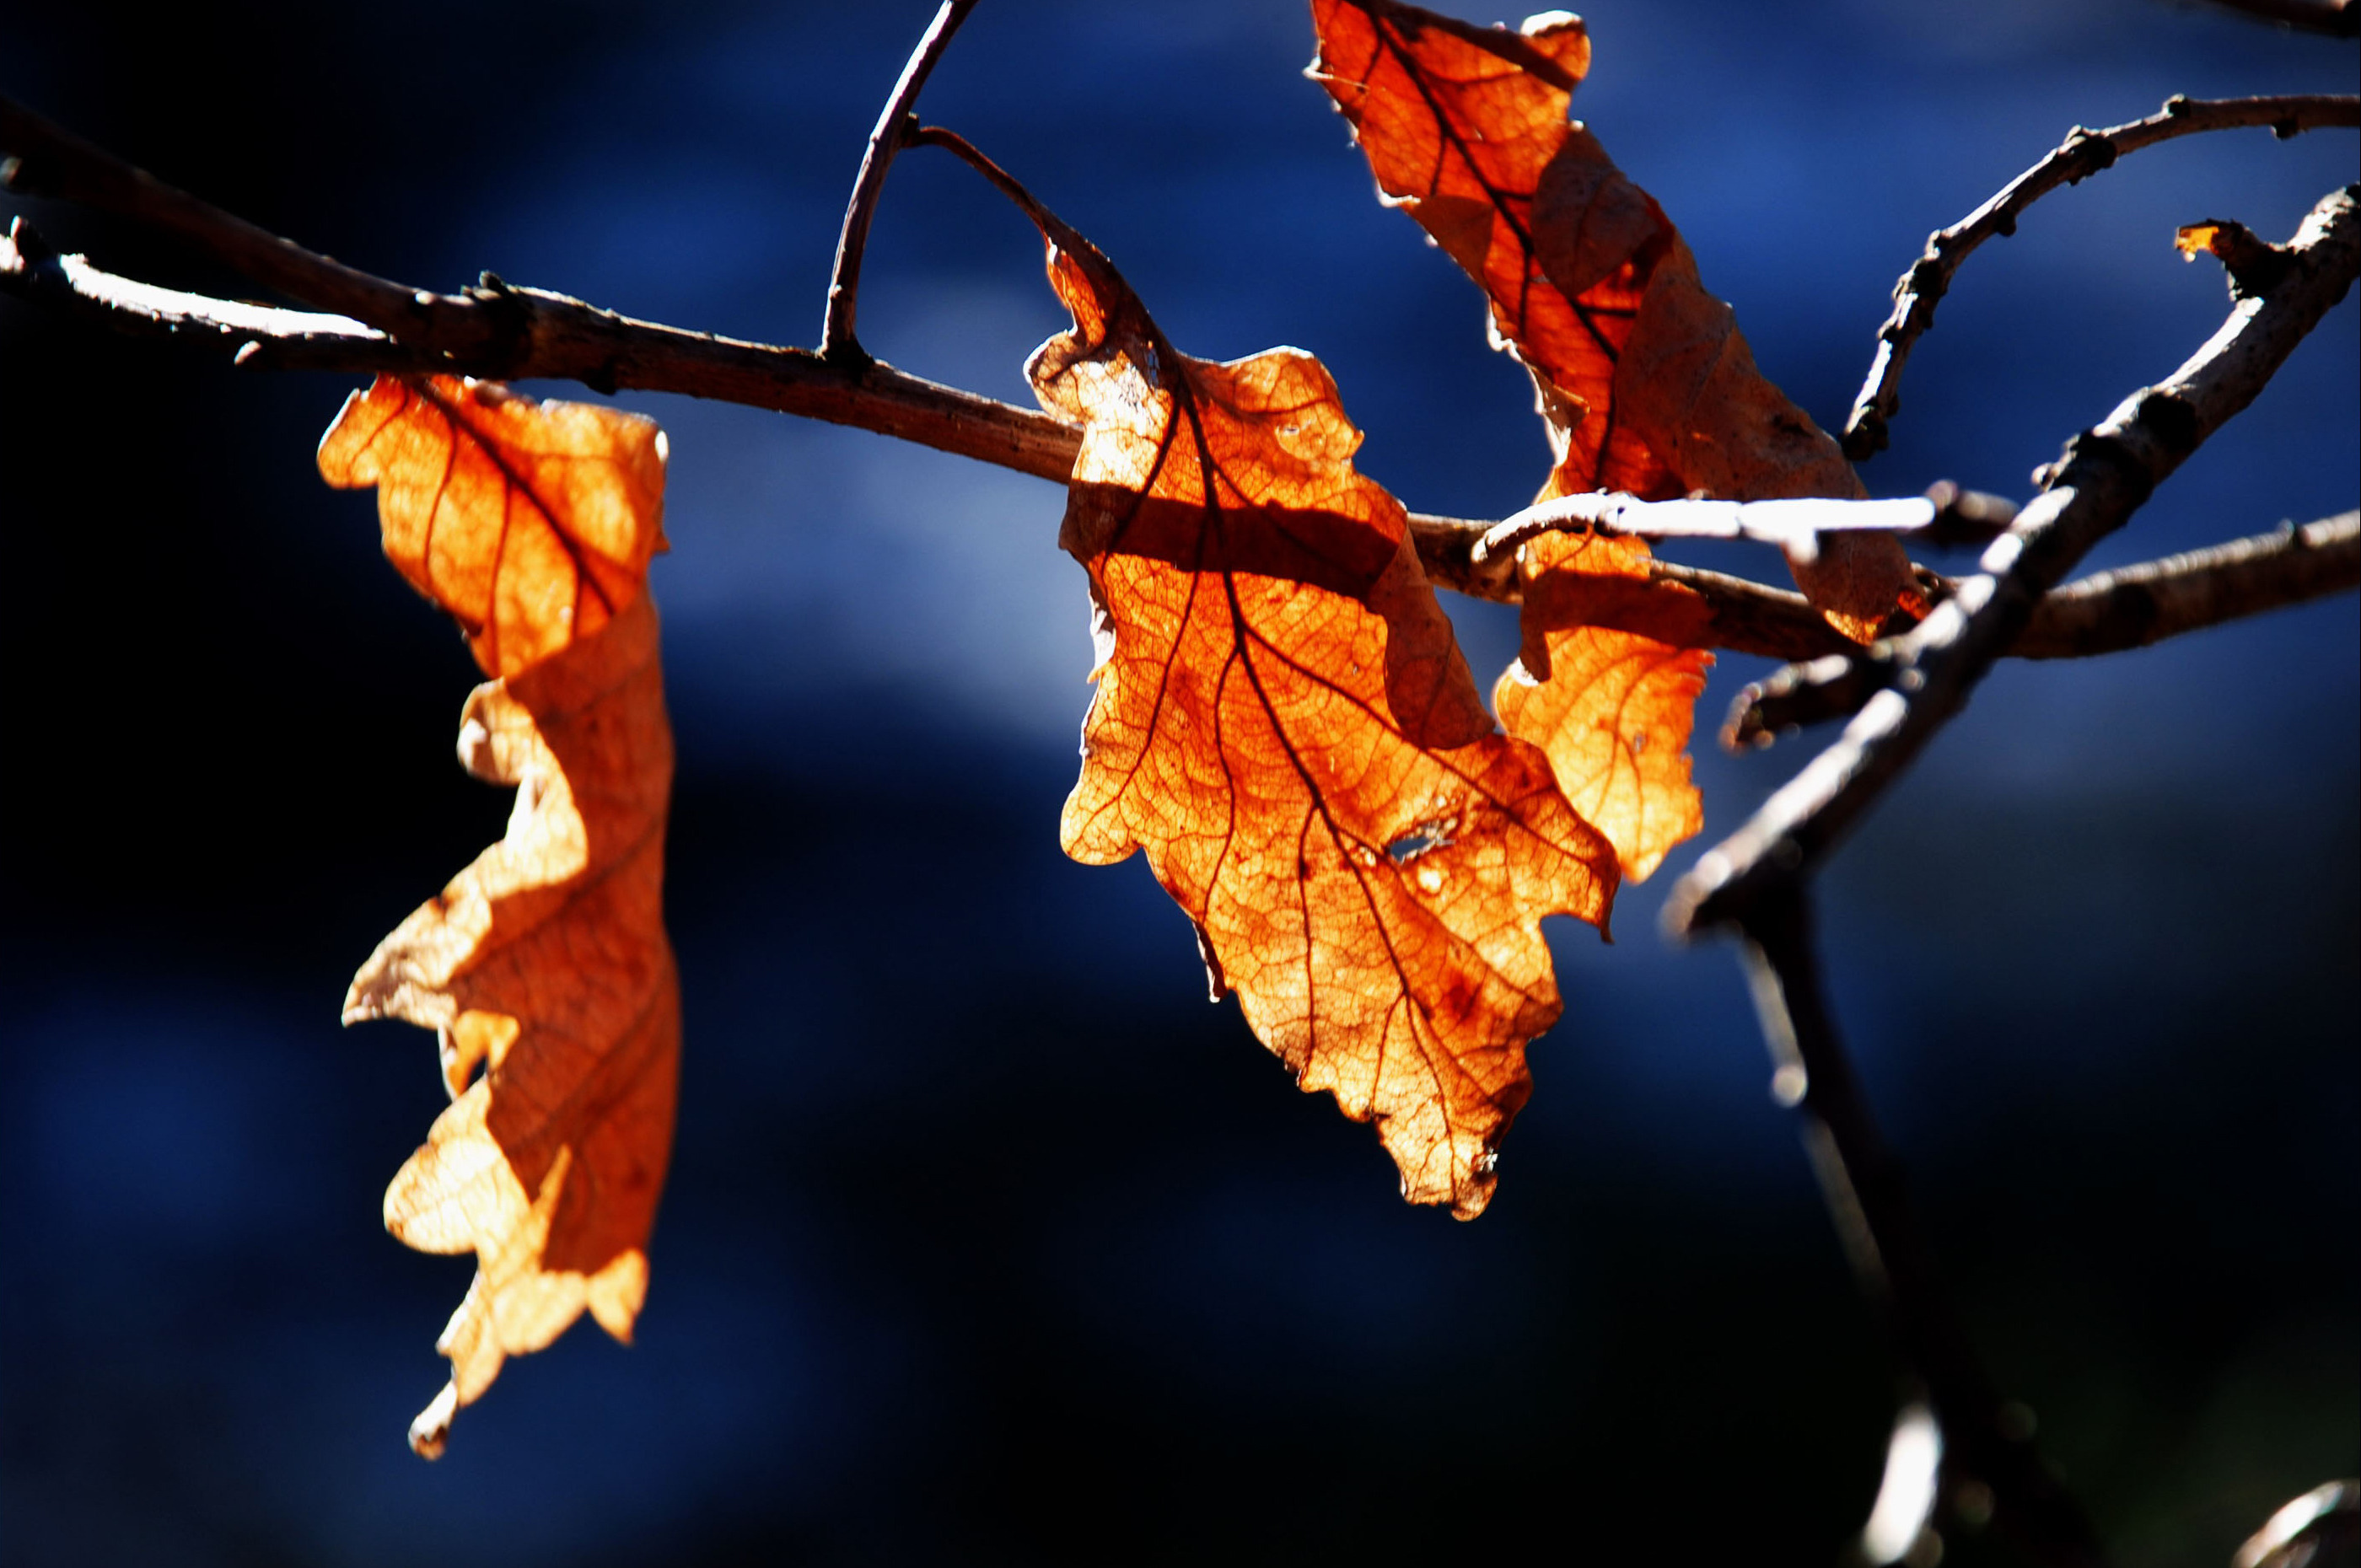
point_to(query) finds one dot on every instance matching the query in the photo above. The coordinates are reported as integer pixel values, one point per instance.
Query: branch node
(1866, 437)
(2094, 150)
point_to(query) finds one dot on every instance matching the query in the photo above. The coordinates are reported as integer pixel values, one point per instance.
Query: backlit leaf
(1611, 707)
(545, 963)
(1646, 383)
(1284, 723)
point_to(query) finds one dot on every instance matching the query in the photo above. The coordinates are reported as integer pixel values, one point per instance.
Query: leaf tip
(429, 1433)
(616, 1292)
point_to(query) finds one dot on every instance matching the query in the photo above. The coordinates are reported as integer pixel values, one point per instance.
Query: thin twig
(2108, 612)
(2083, 154)
(2132, 607)
(1863, 1186)
(2106, 474)
(2337, 19)
(837, 343)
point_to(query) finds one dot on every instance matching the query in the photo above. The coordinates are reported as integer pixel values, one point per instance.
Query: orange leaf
(1646, 383)
(1284, 722)
(532, 523)
(1612, 708)
(545, 961)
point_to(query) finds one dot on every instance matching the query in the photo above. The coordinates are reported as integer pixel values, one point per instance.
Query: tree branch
(2083, 154)
(837, 343)
(563, 338)
(2106, 473)
(39, 158)
(1862, 1184)
(2106, 613)
(498, 331)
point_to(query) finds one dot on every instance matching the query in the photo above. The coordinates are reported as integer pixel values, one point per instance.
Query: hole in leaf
(1432, 834)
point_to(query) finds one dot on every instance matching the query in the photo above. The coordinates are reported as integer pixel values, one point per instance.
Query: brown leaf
(545, 962)
(1284, 722)
(1611, 707)
(1646, 383)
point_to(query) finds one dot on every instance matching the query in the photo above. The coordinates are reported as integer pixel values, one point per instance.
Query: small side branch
(837, 343)
(2106, 474)
(2105, 613)
(1863, 1186)
(2137, 606)
(2083, 154)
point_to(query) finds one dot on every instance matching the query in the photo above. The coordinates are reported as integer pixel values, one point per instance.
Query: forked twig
(2107, 472)
(2083, 153)
(1757, 879)
(837, 343)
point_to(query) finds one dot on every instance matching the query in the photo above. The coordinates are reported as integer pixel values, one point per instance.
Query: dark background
(987, 1240)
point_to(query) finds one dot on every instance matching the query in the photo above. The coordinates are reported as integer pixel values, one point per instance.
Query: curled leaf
(1284, 723)
(1646, 384)
(545, 963)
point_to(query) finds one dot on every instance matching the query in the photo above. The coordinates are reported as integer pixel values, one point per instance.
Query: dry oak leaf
(1646, 383)
(545, 962)
(1611, 707)
(1284, 723)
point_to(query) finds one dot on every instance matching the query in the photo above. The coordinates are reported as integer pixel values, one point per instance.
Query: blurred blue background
(987, 1240)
